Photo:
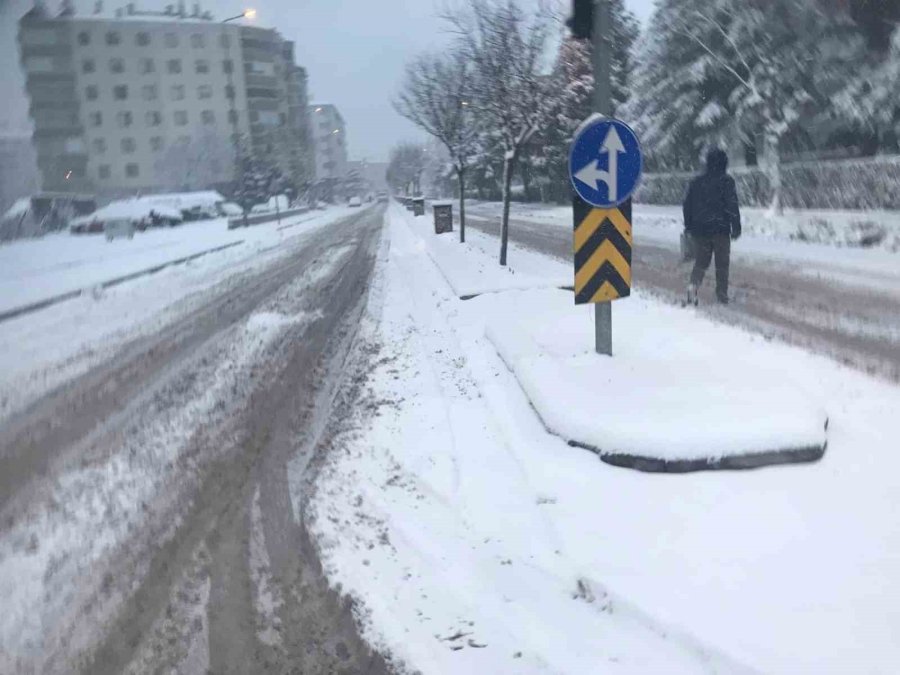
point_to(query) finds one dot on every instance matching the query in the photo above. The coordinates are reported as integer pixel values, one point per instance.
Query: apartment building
(137, 101)
(330, 135)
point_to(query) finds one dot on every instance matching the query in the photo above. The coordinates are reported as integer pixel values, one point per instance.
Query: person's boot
(691, 295)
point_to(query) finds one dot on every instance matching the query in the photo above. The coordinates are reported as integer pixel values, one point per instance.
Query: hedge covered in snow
(849, 184)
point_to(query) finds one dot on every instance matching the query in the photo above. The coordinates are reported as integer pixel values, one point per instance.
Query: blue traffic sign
(605, 161)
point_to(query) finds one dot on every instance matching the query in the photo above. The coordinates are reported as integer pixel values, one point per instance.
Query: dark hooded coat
(711, 204)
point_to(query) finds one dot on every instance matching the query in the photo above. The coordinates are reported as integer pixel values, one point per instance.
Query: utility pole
(601, 35)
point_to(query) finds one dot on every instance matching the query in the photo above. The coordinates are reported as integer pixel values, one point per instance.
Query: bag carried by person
(688, 250)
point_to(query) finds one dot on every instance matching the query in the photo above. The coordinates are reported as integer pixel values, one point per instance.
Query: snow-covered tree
(710, 68)
(435, 96)
(868, 99)
(405, 166)
(258, 178)
(506, 46)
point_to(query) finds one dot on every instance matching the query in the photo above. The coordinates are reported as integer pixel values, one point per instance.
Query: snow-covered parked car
(230, 209)
(85, 225)
(354, 201)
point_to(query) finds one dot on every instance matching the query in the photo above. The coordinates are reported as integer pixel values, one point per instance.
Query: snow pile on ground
(472, 275)
(477, 542)
(678, 387)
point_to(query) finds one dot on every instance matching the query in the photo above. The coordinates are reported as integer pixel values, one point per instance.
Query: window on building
(173, 66)
(254, 116)
(84, 38)
(113, 38)
(208, 117)
(124, 118)
(154, 118)
(229, 91)
(90, 92)
(131, 170)
(184, 141)
(142, 39)
(282, 118)
(204, 91)
(225, 41)
(103, 171)
(171, 40)
(227, 66)
(196, 40)
(128, 146)
(116, 66)
(181, 118)
(177, 92)
(156, 143)
(202, 66)
(147, 66)
(98, 146)
(232, 116)
(120, 92)
(149, 92)
(39, 64)
(88, 66)
(95, 119)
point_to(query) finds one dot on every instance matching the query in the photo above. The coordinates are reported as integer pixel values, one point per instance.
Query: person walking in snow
(712, 219)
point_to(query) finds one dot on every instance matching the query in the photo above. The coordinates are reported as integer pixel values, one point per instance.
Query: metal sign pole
(603, 105)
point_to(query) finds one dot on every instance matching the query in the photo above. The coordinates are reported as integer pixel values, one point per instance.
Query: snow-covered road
(154, 453)
(841, 302)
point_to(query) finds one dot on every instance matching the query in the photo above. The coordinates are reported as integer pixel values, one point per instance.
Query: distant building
(134, 101)
(330, 135)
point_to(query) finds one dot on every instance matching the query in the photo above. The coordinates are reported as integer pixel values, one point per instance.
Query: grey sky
(354, 51)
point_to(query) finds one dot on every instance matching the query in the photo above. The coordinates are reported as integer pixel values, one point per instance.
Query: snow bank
(470, 275)
(678, 388)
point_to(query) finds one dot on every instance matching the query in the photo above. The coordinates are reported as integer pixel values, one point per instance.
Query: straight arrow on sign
(592, 175)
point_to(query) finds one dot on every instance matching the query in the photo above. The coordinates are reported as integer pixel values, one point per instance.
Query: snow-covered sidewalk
(478, 542)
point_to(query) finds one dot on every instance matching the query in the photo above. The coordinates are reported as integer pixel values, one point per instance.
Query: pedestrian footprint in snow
(711, 220)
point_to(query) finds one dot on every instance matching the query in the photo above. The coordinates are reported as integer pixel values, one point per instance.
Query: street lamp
(246, 14)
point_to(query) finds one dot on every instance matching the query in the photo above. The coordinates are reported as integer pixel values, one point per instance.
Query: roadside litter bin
(418, 206)
(443, 217)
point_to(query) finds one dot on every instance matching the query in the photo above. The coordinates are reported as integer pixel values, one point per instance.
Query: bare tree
(435, 96)
(405, 167)
(510, 90)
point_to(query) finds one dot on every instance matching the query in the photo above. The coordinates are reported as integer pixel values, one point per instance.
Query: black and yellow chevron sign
(602, 252)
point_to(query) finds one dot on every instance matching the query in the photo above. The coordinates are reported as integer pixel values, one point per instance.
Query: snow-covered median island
(680, 393)
(475, 541)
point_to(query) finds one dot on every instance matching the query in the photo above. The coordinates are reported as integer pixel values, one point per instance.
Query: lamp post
(246, 14)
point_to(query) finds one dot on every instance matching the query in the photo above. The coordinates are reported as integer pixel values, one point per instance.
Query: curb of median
(56, 299)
